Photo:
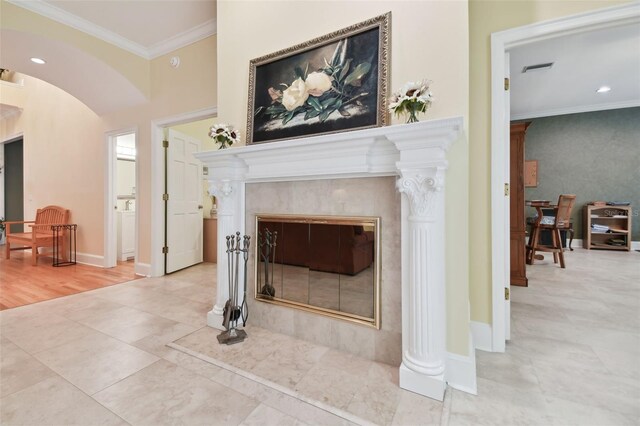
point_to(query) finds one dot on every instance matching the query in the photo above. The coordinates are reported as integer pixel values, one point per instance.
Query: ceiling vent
(537, 67)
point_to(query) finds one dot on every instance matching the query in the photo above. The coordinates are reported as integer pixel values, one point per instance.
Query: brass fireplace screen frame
(362, 222)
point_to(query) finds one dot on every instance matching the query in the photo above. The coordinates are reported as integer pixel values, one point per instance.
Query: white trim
(157, 180)
(461, 371)
(577, 110)
(12, 138)
(481, 333)
(185, 38)
(500, 43)
(158, 49)
(90, 259)
(143, 269)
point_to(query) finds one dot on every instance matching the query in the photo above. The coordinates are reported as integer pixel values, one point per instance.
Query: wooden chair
(41, 234)
(560, 222)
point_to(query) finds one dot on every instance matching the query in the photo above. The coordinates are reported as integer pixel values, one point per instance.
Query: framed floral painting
(334, 83)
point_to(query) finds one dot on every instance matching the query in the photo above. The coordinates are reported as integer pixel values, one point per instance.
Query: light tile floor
(101, 357)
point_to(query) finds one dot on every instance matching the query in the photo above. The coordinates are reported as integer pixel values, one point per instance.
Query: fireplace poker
(244, 308)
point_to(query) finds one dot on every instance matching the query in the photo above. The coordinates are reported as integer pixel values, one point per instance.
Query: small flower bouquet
(412, 98)
(223, 135)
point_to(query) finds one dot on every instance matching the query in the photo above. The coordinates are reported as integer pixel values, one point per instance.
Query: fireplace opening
(324, 264)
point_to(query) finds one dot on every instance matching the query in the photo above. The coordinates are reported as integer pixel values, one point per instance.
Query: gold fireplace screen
(324, 264)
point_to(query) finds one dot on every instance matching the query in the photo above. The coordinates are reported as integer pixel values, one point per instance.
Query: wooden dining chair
(559, 222)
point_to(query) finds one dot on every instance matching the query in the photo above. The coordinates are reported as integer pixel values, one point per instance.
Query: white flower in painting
(318, 83)
(295, 95)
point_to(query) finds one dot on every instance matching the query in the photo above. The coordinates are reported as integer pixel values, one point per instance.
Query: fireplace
(411, 161)
(326, 265)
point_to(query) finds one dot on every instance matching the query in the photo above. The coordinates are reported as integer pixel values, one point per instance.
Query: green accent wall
(595, 155)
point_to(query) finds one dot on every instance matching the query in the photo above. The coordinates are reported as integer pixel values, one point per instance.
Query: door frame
(110, 232)
(501, 42)
(156, 268)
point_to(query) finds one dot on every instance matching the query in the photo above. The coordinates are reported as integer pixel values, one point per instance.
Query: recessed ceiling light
(38, 61)
(603, 89)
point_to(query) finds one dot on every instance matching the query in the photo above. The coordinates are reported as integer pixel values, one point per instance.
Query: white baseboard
(461, 370)
(481, 333)
(143, 269)
(90, 259)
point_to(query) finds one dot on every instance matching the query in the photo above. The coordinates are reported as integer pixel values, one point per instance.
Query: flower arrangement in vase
(412, 98)
(224, 135)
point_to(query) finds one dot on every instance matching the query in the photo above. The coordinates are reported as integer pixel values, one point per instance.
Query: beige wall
(429, 40)
(63, 141)
(486, 17)
(190, 87)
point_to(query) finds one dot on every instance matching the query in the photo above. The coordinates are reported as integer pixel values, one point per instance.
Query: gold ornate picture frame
(334, 83)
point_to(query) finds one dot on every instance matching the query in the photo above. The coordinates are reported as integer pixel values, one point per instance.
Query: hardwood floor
(23, 284)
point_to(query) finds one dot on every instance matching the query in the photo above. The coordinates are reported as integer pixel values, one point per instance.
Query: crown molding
(576, 110)
(185, 38)
(59, 15)
(56, 14)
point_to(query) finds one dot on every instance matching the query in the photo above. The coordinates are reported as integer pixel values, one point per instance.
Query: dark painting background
(361, 47)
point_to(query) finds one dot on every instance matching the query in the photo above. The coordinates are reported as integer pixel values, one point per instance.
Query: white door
(184, 207)
(507, 212)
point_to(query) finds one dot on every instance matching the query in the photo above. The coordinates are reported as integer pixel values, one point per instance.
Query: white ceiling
(582, 63)
(148, 28)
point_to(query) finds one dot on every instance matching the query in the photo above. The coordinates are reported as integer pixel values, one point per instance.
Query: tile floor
(101, 357)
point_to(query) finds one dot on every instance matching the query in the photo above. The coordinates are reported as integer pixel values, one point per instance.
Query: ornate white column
(230, 199)
(423, 286)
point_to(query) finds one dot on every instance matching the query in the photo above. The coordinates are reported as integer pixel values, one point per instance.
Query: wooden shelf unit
(617, 218)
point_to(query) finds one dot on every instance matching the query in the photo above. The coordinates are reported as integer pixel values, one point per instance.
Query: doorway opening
(121, 218)
(501, 44)
(189, 202)
(12, 183)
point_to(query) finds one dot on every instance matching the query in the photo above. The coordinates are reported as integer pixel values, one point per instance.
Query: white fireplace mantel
(415, 153)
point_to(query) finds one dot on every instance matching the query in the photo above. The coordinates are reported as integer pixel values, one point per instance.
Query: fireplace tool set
(237, 247)
(267, 242)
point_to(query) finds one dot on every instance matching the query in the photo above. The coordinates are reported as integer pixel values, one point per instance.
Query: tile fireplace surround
(414, 153)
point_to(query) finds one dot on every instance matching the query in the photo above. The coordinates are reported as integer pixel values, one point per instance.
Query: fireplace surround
(416, 155)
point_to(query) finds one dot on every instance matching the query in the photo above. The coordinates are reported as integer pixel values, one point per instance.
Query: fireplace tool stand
(267, 242)
(237, 247)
